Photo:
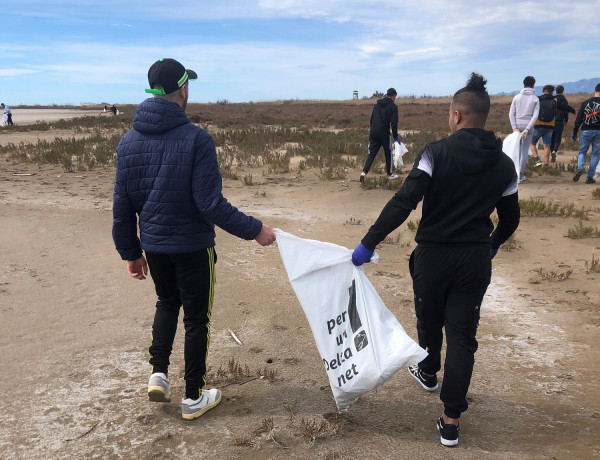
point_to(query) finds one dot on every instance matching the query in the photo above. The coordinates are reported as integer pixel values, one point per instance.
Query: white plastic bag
(3, 120)
(512, 147)
(398, 151)
(360, 341)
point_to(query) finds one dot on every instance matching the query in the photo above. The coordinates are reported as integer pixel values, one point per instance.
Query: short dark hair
(391, 92)
(474, 95)
(597, 88)
(529, 81)
(549, 88)
(560, 89)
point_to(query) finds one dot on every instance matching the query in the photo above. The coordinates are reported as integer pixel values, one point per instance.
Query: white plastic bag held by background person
(360, 341)
(398, 151)
(512, 147)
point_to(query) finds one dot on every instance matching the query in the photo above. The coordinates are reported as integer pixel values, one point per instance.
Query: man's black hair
(474, 96)
(549, 88)
(597, 88)
(560, 89)
(529, 82)
(391, 92)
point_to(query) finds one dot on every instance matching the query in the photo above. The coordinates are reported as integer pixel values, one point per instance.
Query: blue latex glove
(574, 137)
(361, 255)
(397, 140)
(493, 252)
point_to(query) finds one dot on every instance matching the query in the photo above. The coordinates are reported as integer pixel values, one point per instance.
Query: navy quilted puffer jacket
(168, 176)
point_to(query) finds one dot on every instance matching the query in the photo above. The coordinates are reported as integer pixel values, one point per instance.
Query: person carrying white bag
(461, 180)
(361, 343)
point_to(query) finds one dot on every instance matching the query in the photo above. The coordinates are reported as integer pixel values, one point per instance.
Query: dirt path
(74, 331)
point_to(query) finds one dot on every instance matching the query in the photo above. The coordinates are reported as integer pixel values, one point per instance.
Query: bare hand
(266, 236)
(525, 132)
(516, 130)
(138, 268)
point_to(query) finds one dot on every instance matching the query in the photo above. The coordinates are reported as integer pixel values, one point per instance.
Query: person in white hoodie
(523, 113)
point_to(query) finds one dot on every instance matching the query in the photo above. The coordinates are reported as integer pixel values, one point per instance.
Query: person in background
(562, 118)
(8, 113)
(461, 180)
(523, 114)
(544, 126)
(168, 183)
(383, 117)
(588, 118)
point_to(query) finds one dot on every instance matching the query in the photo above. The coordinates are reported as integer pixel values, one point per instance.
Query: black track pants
(375, 144)
(183, 279)
(449, 284)
(557, 136)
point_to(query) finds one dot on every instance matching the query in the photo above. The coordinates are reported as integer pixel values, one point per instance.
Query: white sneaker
(194, 408)
(522, 178)
(158, 388)
(362, 176)
(392, 176)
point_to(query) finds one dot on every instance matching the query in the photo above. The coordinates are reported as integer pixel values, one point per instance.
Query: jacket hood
(528, 91)
(475, 149)
(385, 101)
(155, 116)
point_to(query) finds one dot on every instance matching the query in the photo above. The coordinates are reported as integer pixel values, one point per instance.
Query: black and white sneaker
(429, 383)
(448, 433)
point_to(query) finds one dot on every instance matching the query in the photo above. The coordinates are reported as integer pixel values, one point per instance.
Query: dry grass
(583, 231)
(593, 266)
(536, 206)
(548, 275)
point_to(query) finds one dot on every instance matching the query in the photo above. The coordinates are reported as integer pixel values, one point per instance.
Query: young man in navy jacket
(168, 182)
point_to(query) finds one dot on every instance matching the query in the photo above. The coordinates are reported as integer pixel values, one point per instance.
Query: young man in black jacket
(588, 118)
(384, 116)
(544, 125)
(562, 118)
(461, 180)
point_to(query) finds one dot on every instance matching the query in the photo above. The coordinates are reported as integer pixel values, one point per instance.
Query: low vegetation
(536, 206)
(583, 231)
(549, 275)
(329, 137)
(593, 266)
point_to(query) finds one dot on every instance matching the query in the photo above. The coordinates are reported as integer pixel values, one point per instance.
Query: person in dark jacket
(461, 180)
(562, 118)
(545, 128)
(168, 182)
(383, 117)
(588, 118)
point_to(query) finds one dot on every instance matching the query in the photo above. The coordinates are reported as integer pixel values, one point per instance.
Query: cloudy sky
(72, 51)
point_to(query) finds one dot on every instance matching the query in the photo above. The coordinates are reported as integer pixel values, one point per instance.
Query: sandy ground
(29, 116)
(74, 332)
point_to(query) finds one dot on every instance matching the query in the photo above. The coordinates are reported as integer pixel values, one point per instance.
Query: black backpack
(547, 109)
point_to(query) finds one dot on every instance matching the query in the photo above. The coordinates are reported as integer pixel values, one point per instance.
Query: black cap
(169, 74)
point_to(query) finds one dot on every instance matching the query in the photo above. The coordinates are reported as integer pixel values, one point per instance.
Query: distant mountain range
(572, 87)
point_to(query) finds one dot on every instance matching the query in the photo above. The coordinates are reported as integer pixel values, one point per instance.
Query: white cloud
(16, 72)
(422, 46)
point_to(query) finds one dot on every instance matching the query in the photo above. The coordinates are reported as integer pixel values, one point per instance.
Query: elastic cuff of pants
(193, 391)
(451, 413)
(164, 370)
